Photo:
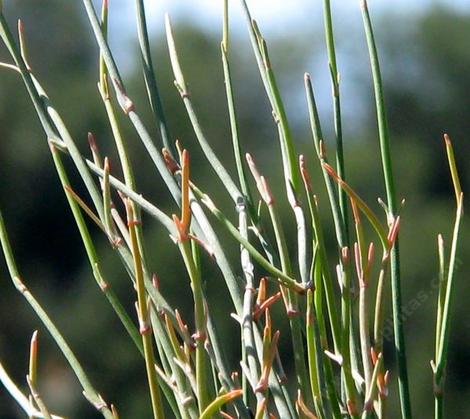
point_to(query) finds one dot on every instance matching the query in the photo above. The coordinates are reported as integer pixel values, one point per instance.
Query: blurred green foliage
(426, 65)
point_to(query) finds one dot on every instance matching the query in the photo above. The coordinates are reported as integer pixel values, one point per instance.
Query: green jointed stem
(327, 279)
(150, 78)
(120, 143)
(335, 80)
(321, 271)
(49, 117)
(282, 278)
(180, 83)
(442, 349)
(346, 306)
(289, 158)
(371, 393)
(312, 351)
(324, 359)
(205, 229)
(379, 306)
(384, 138)
(92, 255)
(89, 392)
(294, 317)
(232, 111)
(145, 327)
(384, 135)
(200, 322)
(318, 141)
(248, 344)
(188, 409)
(442, 291)
(108, 216)
(213, 408)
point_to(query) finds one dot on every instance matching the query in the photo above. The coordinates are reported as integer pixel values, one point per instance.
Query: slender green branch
(232, 111)
(445, 306)
(318, 142)
(145, 327)
(88, 390)
(20, 398)
(180, 84)
(264, 263)
(289, 159)
(384, 139)
(200, 322)
(91, 253)
(335, 81)
(321, 270)
(150, 78)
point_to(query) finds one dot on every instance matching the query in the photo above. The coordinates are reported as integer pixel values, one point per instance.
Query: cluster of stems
(338, 367)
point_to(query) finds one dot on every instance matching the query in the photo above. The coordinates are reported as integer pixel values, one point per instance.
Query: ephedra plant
(339, 369)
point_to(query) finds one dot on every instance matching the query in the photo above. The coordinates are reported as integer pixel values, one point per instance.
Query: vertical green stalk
(149, 76)
(184, 245)
(444, 308)
(231, 107)
(248, 345)
(200, 322)
(346, 307)
(181, 85)
(167, 355)
(384, 138)
(321, 272)
(312, 352)
(292, 304)
(363, 261)
(247, 319)
(318, 142)
(120, 143)
(289, 158)
(335, 80)
(324, 359)
(145, 327)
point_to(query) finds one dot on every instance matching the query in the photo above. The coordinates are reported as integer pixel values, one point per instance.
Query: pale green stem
(180, 83)
(145, 327)
(20, 398)
(92, 254)
(384, 138)
(89, 391)
(149, 76)
(293, 307)
(442, 352)
(200, 323)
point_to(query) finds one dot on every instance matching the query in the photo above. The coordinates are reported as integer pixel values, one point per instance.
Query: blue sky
(275, 17)
(275, 13)
(271, 14)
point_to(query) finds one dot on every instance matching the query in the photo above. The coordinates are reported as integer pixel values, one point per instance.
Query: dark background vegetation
(426, 63)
